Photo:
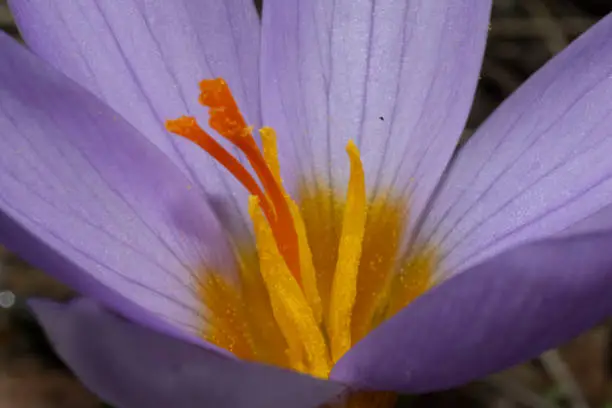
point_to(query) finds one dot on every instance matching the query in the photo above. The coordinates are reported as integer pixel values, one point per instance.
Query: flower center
(323, 271)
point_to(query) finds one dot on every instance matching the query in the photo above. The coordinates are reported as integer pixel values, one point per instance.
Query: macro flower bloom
(299, 212)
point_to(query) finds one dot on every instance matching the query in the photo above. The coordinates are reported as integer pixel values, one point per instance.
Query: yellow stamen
(270, 152)
(309, 275)
(307, 269)
(344, 287)
(289, 305)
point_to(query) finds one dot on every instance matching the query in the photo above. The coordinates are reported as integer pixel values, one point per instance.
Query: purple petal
(396, 76)
(145, 58)
(130, 366)
(540, 165)
(599, 221)
(499, 313)
(87, 198)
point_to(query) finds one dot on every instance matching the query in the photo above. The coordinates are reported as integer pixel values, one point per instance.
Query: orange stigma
(226, 119)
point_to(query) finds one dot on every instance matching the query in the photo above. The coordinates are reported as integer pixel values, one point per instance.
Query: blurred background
(524, 35)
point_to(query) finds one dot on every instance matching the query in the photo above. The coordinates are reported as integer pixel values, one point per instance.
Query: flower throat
(323, 270)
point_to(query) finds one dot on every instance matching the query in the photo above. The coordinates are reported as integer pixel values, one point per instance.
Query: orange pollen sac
(226, 119)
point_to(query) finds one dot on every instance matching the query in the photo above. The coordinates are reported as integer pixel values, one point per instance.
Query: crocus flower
(336, 247)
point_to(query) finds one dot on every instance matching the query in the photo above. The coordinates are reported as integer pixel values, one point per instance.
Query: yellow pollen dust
(323, 270)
